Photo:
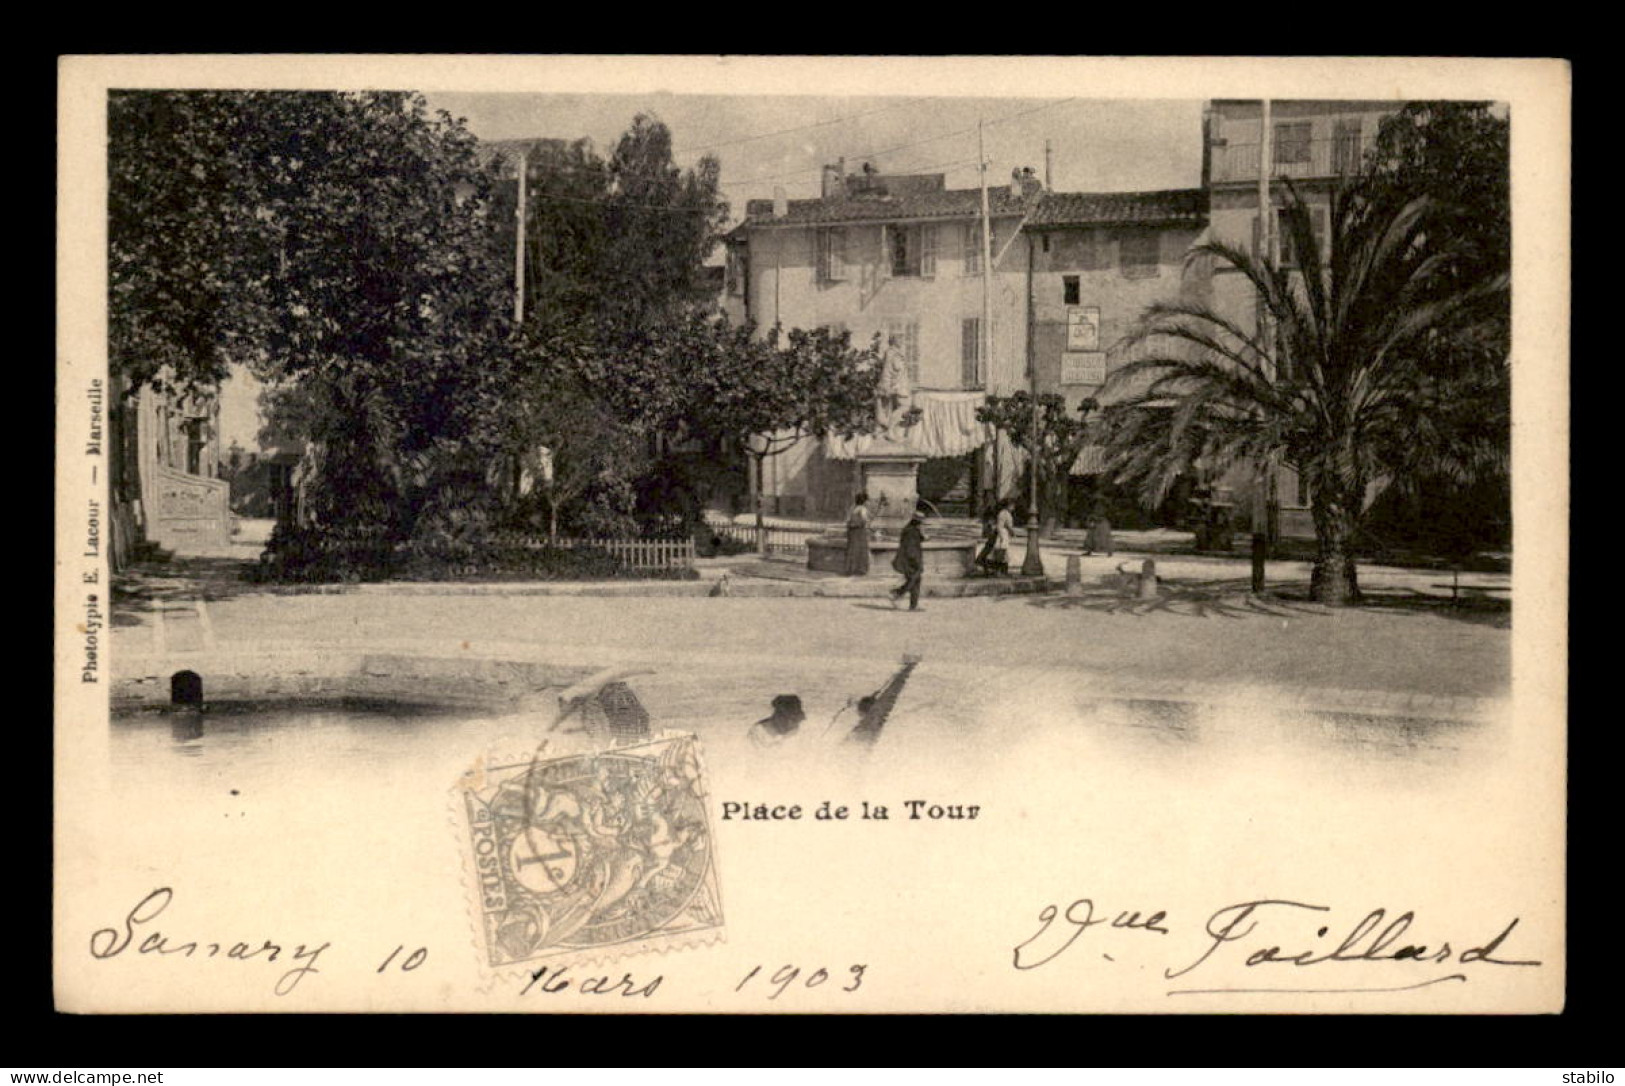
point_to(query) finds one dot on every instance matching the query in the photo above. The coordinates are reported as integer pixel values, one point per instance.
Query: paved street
(1202, 631)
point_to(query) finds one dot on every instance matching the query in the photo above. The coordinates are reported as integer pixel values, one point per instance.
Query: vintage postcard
(811, 535)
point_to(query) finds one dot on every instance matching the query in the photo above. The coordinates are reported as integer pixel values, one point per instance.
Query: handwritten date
(787, 975)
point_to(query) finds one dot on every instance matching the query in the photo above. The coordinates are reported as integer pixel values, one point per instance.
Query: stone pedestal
(892, 483)
(945, 559)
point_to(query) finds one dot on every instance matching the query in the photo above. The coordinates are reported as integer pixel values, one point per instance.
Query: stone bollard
(186, 690)
(1148, 579)
(1074, 575)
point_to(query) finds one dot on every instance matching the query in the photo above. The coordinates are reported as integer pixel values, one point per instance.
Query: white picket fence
(780, 540)
(658, 554)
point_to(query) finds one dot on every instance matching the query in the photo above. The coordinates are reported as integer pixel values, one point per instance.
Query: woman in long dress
(857, 537)
(1003, 528)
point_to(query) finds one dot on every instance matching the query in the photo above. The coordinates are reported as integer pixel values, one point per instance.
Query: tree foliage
(337, 241)
(1336, 395)
(293, 231)
(623, 237)
(695, 377)
(188, 287)
(1456, 155)
(1061, 438)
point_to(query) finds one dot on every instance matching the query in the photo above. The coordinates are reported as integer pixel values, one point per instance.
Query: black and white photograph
(811, 535)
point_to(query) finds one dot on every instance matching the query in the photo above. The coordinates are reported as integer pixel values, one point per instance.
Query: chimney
(834, 181)
(781, 202)
(1030, 184)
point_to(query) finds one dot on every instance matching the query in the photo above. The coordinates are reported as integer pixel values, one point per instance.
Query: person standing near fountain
(1004, 526)
(910, 562)
(857, 537)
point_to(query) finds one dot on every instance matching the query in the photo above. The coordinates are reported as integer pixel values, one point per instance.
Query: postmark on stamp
(592, 854)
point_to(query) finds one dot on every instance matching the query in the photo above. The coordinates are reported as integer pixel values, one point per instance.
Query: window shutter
(820, 254)
(969, 347)
(928, 249)
(1319, 227)
(973, 248)
(1258, 240)
(1285, 248)
(837, 253)
(885, 251)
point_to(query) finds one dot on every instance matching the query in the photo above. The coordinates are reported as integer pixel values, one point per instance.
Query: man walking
(910, 562)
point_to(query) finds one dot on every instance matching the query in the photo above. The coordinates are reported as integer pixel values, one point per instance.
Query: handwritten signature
(1269, 931)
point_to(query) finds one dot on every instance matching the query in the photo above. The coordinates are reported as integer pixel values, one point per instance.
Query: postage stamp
(592, 854)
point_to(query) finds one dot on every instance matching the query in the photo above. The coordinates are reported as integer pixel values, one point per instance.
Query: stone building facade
(901, 258)
(1314, 145)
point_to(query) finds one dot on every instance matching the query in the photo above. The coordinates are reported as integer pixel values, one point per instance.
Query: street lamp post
(1033, 564)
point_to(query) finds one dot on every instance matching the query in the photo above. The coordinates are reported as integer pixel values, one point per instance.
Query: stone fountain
(889, 471)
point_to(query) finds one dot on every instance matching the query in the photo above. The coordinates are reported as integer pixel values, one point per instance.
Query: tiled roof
(1062, 209)
(1054, 210)
(947, 204)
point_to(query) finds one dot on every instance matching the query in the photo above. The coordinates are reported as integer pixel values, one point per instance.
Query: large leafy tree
(663, 222)
(623, 237)
(189, 247)
(1341, 392)
(1457, 155)
(1061, 438)
(764, 393)
(338, 241)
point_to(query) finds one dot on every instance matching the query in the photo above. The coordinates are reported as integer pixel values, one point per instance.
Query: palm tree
(1359, 390)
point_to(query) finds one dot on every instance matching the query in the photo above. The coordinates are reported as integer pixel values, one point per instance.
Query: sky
(763, 141)
(767, 140)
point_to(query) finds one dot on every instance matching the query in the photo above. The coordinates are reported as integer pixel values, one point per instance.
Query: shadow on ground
(1475, 608)
(1230, 598)
(1224, 598)
(143, 588)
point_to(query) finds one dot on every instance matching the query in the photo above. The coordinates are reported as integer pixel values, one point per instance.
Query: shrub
(317, 554)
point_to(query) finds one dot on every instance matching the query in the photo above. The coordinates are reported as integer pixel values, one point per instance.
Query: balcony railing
(1339, 156)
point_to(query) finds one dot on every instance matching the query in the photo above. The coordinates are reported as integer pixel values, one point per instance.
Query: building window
(197, 437)
(831, 245)
(910, 251)
(970, 353)
(973, 248)
(1094, 253)
(737, 273)
(1292, 142)
(1283, 237)
(903, 336)
(1071, 292)
(1139, 253)
(1346, 148)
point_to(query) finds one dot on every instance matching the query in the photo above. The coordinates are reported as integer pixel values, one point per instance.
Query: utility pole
(1266, 252)
(986, 366)
(519, 243)
(1049, 182)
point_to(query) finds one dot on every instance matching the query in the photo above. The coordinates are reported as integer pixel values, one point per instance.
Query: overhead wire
(541, 196)
(786, 131)
(905, 146)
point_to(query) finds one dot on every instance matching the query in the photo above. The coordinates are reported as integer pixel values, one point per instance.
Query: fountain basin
(943, 557)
